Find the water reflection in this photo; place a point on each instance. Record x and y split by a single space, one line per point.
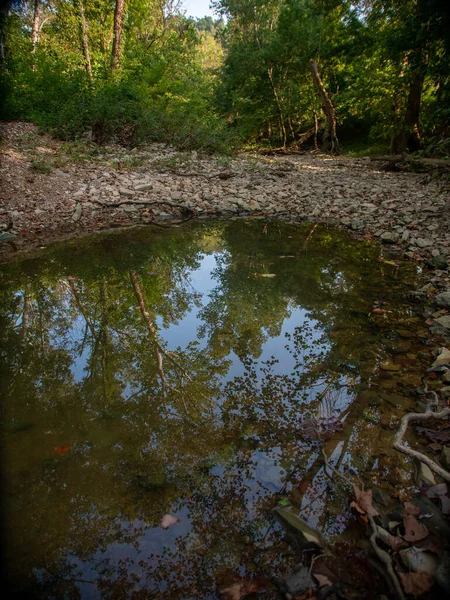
147 374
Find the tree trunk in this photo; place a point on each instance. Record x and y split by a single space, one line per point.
408 140
85 40
330 140
119 14
35 29
280 110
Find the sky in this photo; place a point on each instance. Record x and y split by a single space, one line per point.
198 8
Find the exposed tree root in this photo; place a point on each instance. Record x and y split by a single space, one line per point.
401 447
384 558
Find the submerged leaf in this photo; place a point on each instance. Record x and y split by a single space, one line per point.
416 584
243 588
61 450
364 501
414 530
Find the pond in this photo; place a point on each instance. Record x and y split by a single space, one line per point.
164 389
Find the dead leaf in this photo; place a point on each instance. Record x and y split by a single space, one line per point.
167 521
396 542
411 509
438 436
416 584
322 580
378 311
243 588
364 500
61 450
414 530
435 447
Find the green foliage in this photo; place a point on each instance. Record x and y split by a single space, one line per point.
215 85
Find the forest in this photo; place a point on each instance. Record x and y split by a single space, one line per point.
359 76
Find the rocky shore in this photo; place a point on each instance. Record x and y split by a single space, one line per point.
50 191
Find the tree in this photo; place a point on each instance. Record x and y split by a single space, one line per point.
119 17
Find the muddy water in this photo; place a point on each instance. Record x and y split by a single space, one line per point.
163 390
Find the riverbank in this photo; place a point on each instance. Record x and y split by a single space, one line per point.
51 191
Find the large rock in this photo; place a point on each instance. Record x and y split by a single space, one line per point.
444 321
443 300
389 237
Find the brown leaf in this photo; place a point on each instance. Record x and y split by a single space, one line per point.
435 447
61 450
414 530
242 588
364 499
416 584
322 580
397 543
411 509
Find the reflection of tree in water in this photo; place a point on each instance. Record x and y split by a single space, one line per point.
153 429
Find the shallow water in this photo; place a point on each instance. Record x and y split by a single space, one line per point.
194 372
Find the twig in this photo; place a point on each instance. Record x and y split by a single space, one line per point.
401 447
345 479
385 558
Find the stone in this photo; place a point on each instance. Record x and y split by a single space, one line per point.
423 242
389 237
424 475
442 357
143 186
298 583
77 213
126 192
7 237
442 300
419 562
298 529
444 321
437 262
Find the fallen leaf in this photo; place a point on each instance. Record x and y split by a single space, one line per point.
61 450
429 321
322 579
414 530
411 509
243 588
364 500
435 447
265 275
396 542
167 521
378 310
438 436
416 584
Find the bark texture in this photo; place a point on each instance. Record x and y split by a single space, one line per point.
36 24
408 139
85 39
119 14
330 140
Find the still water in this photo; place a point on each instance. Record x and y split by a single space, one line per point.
163 390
